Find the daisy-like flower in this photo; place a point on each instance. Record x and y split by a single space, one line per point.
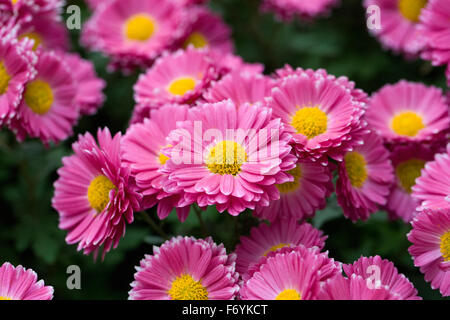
316 111
399 28
380 272
179 77
228 157
302 197
142 150
289 275
47 110
89 96
133 33
18 283
16 69
265 239
241 88
432 188
207 30
95 194
186 269
365 177
287 9
407 111
408 162
430 236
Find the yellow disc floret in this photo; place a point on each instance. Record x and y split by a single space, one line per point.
408 171
33 36
39 96
185 287
4 78
310 121
98 192
4 298
410 9
289 294
180 86
197 40
407 123
140 27
356 168
445 246
294 185
275 248
226 157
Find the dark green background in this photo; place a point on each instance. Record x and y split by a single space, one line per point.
340 43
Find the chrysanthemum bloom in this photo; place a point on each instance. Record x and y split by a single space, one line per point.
265 239
16 69
241 88
353 288
408 111
228 157
95 195
289 275
432 188
89 96
380 272
430 236
365 178
47 110
287 9
133 33
142 150
302 197
186 269
399 29
25 10
321 114
18 283
408 162
206 30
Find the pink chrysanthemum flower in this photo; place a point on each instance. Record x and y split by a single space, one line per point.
408 162
289 275
265 239
206 30
353 288
399 29
430 236
47 110
228 157
16 69
89 96
133 33
302 197
179 77
95 195
18 283
287 9
371 268
25 10
365 177
408 111
186 269
432 188
142 150
241 88
321 114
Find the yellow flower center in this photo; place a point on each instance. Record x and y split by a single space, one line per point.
39 96
180 86
310 121
226 157
294 185
408 171
186 288
275 248
289 294
98 192
355 165
445 246
33 36
196 39
140 27
407 123
13 2
410 9
163 158
4 298
4 78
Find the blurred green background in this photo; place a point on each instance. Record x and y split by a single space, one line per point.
339 43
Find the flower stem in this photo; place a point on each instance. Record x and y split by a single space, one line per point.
153 225
198 212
